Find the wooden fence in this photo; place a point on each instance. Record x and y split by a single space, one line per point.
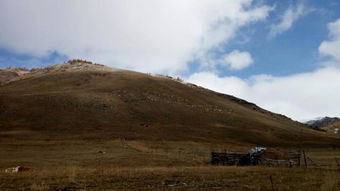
292 159
228 158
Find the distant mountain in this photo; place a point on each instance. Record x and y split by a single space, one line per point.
333 127
322 122
82 100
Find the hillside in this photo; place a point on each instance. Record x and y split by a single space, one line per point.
81 100
331 128
9 74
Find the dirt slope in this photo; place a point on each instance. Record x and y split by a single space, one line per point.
80 100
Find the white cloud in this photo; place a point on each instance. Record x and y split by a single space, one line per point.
237 60
291 15
149 35
332 47
301 96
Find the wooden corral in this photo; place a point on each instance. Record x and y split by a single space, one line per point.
233 158
229 158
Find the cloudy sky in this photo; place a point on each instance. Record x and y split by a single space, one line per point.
282 55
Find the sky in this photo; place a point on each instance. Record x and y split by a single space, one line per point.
281 55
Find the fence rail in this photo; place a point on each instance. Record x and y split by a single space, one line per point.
235 158
228 158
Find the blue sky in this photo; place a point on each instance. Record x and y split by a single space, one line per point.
295 50
248 48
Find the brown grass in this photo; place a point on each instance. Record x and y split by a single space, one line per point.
143 165
173 178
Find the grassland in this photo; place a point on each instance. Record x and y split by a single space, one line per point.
139 165
178 178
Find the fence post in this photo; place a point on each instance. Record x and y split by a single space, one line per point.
271 182
337 163
304 157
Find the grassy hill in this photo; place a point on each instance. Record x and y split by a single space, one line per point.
80 100
9 74
331 127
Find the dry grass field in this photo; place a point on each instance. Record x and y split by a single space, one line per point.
174 178
139 165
